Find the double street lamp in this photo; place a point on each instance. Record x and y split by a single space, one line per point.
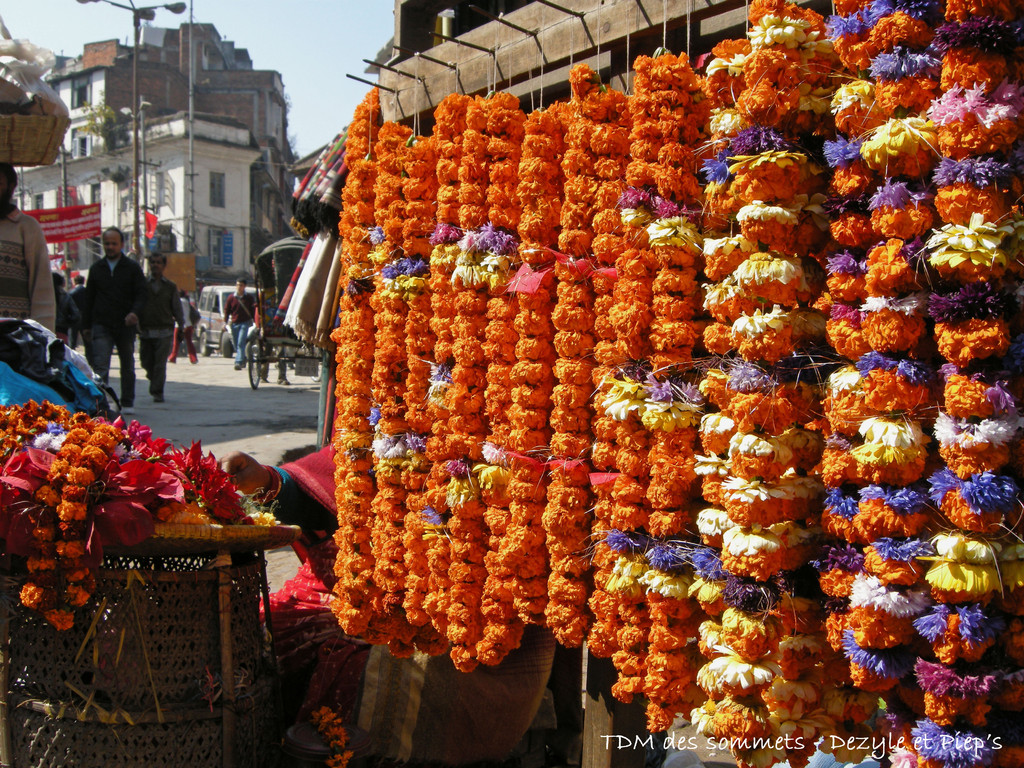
147 13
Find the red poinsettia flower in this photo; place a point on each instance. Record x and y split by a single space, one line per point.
121 514
207 483
142 440
22 475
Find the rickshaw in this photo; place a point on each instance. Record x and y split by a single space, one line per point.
270 341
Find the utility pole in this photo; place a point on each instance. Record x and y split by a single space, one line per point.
144 245
190 211
64 203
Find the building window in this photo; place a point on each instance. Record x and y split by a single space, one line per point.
216 189
81 92
216 247
37 202
80 143
94 194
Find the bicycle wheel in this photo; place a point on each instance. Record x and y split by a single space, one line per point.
254 361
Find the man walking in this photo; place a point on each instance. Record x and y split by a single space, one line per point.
157 322
77 295
115 295
239 312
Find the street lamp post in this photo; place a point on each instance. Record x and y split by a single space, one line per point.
138 14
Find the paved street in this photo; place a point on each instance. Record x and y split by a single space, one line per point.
213 403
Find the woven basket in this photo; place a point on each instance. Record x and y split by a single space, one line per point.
136 681
31 139
186 539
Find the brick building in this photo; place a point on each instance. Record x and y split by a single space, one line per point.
229 93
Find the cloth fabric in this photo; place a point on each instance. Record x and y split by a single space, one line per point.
26 288
304 309
289 291
423 710
162 311
240 309
329 303
111 294
417 710
104 341
31 350
153 354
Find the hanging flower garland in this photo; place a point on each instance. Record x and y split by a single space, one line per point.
532 377
410 278
449 131
389 383
354 342
506 131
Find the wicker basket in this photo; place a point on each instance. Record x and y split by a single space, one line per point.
187 539
139 680
31 139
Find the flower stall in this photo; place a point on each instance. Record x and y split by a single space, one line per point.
719 378
132 588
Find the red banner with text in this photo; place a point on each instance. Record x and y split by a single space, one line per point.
62 225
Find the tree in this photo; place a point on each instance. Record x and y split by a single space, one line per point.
107 125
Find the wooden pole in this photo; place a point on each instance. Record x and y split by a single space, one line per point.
6 756
613 733
227 660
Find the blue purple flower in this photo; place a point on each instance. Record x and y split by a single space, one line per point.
901 63
986 33
951 748
707 564
978 171
843 152
979 300
625 542
849 261
887 663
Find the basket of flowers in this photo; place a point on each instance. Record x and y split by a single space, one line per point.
133 588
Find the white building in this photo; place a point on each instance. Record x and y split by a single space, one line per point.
224 157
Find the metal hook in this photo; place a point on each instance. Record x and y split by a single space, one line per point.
557 7
367 82
425 57
389 68
500 18
463 42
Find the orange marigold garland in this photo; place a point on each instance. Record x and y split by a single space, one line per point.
449 131
409 276
506 130
532 378
389 384
354 342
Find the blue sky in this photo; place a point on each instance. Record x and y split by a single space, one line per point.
312 43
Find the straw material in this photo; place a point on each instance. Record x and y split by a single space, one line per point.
183 538
31 139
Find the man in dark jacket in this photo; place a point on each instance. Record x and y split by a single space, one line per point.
77 293
115 295
156 325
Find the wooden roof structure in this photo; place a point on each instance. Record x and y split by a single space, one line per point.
529 51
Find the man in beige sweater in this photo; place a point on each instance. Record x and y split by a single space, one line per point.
26 288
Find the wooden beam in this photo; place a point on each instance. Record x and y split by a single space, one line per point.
559 40
605 25
613 733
